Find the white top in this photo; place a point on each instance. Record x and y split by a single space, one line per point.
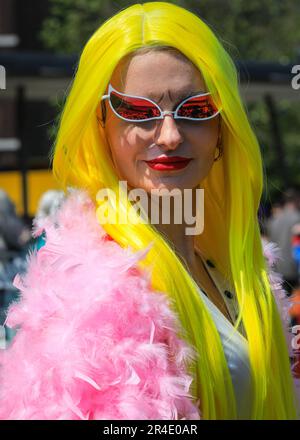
235 345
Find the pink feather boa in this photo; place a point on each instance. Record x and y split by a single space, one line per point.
95 341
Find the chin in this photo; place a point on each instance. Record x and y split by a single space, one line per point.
169 186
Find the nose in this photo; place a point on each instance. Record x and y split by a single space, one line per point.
169 135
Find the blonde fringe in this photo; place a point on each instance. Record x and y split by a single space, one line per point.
232 193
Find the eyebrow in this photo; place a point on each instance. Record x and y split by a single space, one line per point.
180 97
184 95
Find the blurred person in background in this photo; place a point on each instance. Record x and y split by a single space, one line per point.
280 231
14 239
49 204
294 309
14 234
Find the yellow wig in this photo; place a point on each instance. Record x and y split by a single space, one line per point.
233 189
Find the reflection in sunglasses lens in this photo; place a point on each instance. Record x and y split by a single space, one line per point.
199 107
133 108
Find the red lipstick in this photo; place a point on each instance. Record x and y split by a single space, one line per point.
164 163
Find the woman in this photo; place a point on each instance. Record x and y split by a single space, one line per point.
153 82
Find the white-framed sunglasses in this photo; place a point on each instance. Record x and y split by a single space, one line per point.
133 108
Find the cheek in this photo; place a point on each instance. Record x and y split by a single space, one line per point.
204 140
127 145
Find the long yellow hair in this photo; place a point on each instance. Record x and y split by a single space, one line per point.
233 189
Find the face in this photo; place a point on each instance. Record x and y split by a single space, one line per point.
167 78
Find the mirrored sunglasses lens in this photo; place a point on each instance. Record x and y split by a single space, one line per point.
200 107
133 109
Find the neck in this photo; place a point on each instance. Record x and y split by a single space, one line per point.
176 233
183 244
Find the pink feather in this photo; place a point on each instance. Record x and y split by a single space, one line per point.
92 337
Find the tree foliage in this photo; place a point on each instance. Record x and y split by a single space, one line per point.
256 29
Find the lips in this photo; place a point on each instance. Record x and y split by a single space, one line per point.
165 159
168 163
